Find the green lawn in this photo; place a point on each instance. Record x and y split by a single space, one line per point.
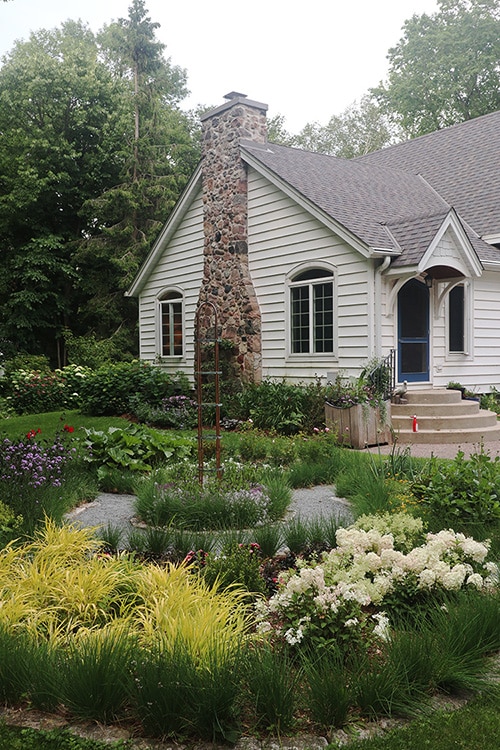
52 422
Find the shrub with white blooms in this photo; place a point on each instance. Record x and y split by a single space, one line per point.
340 598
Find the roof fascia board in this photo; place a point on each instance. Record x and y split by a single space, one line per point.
166 233
452 222
491 239
309 206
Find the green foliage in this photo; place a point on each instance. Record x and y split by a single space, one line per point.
35 392
135 447
27 362
10 524
282 407
86 185
235 564
328 695
19 738
212 506
464 491
32 477
362 127
88 351
97 666
444 70
177 696
174 412
109 389
273 686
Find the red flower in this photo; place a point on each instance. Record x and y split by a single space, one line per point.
67 428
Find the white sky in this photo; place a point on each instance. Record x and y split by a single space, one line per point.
307 61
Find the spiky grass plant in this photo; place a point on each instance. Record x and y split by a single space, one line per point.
239 501
269 537
177 695
328 696
96 673
296 534
272 682
112 537
177 604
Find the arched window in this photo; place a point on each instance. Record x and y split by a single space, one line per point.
171 324
311 312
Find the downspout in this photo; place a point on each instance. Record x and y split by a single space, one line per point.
378 303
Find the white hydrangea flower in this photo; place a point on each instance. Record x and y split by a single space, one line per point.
475 580
426 579
351 623
381 629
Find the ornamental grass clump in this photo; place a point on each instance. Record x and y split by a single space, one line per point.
166 499
84 630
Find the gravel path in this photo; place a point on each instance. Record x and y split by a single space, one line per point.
118 510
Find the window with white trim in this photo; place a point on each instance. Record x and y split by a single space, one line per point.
171 310
311 312
456 320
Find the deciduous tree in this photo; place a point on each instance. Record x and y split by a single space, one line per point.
446 67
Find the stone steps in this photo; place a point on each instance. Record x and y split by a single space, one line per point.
443 417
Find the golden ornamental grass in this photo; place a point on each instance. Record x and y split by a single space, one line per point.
61 586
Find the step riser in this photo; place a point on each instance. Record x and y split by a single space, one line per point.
431 410
461 436
439 396
446 422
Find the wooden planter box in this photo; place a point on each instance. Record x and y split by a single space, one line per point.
359 426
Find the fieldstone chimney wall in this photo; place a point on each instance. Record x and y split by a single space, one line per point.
226 279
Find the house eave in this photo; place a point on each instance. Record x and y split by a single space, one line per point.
452 221
166 233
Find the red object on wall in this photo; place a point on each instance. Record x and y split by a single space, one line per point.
415 423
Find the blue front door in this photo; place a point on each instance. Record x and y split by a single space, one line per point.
413 332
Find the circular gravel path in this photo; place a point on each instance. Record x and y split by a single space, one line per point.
117 511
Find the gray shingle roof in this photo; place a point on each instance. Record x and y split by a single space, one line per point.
383 200
461 162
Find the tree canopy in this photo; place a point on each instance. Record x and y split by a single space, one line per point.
361 128
94 152
446 67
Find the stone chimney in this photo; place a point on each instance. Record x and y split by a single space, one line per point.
226 279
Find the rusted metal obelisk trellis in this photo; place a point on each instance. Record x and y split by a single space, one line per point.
207 353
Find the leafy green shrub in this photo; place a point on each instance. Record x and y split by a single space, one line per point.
31 392
88 351
37 391
10 524
174 412
342 597
109 389
28 362
285 408
460 490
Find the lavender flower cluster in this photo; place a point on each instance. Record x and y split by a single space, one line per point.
29 462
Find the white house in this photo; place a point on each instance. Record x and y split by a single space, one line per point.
317 264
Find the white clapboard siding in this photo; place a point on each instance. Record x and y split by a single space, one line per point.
282 236
180 265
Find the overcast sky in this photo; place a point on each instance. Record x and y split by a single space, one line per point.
307 61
